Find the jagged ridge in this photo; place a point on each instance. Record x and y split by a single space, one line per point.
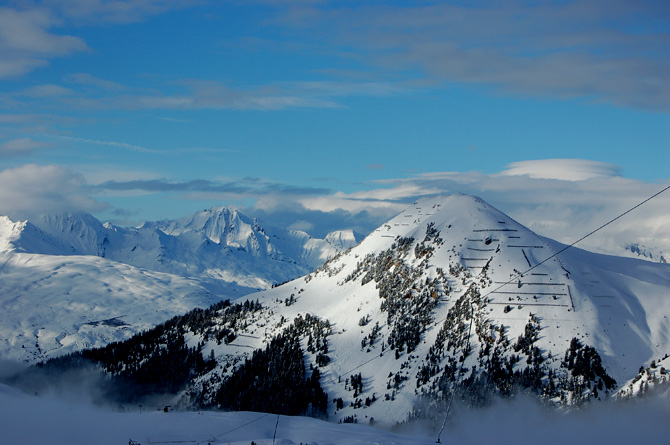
453 295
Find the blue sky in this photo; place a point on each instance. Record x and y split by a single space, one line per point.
323 115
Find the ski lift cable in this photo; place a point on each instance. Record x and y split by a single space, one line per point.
241 426
516 277
446 416
472 311
460 371
274 436
542 262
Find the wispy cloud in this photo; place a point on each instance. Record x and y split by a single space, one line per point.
243 187
33 118
617 53
89 80
46 91
202 94
26 40
122 145
87 92
20 147
116 11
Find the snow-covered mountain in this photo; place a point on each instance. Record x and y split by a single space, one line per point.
644 252
68 282
52 305
451 295
235 230
224 248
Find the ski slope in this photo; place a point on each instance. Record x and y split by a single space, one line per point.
619 306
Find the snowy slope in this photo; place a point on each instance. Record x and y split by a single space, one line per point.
650 379
52 305
66 279
450 295
451 283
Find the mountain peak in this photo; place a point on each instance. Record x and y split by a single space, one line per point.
451 296
453 291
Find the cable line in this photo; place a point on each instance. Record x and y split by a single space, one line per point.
523 273
508 282
590 233
241 426
542 262
519 274
275 434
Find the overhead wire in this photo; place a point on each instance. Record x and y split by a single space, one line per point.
240 427
540 263
516 277
472 310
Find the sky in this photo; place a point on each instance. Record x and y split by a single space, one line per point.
323 115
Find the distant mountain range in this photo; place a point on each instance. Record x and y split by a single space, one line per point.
213 245
68 282
451 296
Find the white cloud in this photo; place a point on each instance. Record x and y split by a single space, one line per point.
27 43
26 31
563 199
564 169
33 189
348 203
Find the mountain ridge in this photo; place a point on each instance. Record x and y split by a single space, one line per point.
63 277
451 296
214 245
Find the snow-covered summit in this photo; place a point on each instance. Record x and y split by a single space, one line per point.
218 245
219 224
453 293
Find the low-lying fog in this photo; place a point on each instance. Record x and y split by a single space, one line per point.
61 416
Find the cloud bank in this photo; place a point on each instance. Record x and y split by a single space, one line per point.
563 199
564 169
593 49
588 49
33 189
